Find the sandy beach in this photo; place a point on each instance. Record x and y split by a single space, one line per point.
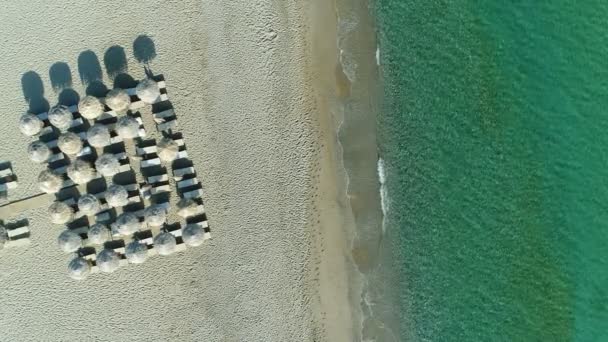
251 83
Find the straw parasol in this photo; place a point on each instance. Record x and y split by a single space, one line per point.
118 100
3 236
108 261
127 224
127 127
187 207
90 107
148 91
165 243
38 152
167 149
69 143
69 241
136 252
80 171
98 135
88 204
98 234
193 235
30 124
155 215
117 196
107 164
60 212
79 268
50 182
60 117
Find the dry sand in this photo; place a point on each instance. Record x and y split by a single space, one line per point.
240 75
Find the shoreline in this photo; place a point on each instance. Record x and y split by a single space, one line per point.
350 234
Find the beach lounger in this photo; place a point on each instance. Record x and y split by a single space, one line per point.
160 189
182 154
187 182
141 151
150 162
157 179
178 174
6 172
8 185
193 194
165 120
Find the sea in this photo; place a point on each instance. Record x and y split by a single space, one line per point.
493 166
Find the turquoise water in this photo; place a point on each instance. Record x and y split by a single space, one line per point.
494 134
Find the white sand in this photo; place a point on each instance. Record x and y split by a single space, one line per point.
237 76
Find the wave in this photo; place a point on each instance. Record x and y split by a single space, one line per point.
384 200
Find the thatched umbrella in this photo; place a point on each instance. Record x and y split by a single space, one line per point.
3 236
165 243
136 252
30 124
50 182
127 224
117 196
60 117
90 107
118 99
80 171
69 241
155 215
108 261
88 204
127 127
79 268
187 207
38 152
98 234
148 91
167 149
69 143
107 164
193 235
60 213
98 135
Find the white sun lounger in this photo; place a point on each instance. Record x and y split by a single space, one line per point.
159 189
182 154
193 194
178 174
150 162
6 172
146 150
187 182
8 185
158 179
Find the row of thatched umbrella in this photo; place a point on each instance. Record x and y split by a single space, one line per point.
136 252
91 107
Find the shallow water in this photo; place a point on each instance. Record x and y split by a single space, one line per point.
493 135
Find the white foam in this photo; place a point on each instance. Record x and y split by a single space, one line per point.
384 200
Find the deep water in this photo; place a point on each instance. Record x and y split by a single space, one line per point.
494 134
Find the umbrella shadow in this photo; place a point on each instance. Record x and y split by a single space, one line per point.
68 97
115 61
33 92
124 81
61 76
91 75
89 68
144 49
